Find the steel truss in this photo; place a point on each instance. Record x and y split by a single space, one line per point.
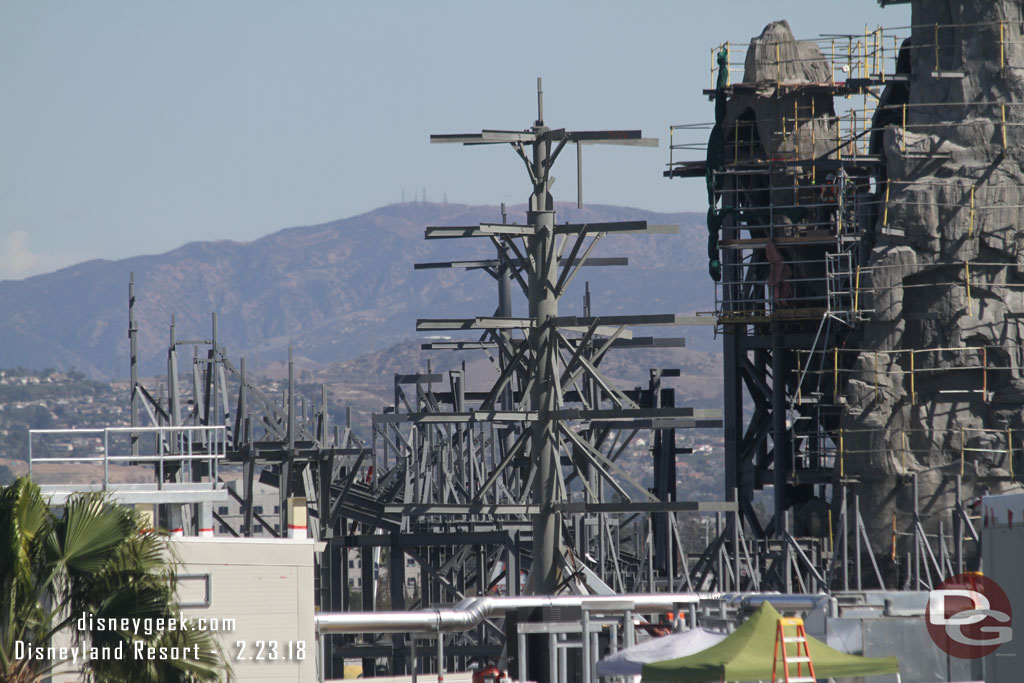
534 462
473 491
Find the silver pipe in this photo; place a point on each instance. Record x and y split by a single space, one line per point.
472 611
780 601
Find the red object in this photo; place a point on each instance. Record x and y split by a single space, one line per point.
778 275
986 622
491 674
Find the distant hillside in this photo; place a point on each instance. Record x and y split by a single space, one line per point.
334 291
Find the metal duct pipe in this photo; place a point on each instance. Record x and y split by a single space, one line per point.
780 601
471 611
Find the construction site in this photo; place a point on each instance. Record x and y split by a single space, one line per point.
864 192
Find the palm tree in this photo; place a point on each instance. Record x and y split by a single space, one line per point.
90 557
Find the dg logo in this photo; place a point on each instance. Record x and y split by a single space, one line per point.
968 616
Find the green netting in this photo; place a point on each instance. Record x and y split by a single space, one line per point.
715 164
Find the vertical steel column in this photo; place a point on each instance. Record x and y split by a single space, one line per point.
505 311
284 484
585 643
664 451
734 522
512 565
249 455
440 656
543 395
396 575
780 442
844 541
720 556
856 531
563 658
521 638
367 576
650 553
242 410
412 655
732 411
333 597
172 383
738 486
553 660
133 350
173 415
543 399
784 521
216 416
958 529
106 459
917 537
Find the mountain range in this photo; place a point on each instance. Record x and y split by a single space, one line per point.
333 292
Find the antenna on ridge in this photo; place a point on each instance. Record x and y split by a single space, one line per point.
540 103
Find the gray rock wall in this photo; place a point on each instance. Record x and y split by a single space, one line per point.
918 278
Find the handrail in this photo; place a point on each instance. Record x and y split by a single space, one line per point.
217 449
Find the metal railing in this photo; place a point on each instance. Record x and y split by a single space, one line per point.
871 54
174 445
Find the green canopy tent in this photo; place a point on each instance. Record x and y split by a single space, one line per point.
748 653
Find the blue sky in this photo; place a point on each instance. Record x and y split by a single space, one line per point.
136 126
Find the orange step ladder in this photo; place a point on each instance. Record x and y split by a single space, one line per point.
802 656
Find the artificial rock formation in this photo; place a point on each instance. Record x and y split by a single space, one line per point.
944 275
929 347
773 116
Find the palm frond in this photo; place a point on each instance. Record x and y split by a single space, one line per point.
91 559
90 529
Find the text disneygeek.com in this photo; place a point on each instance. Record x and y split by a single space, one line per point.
132 649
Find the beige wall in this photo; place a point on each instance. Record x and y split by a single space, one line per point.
266 586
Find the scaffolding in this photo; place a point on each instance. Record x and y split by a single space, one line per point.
810 165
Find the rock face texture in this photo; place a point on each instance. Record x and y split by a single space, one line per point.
772 119
926 387
937 389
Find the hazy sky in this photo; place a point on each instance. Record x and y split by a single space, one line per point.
135 126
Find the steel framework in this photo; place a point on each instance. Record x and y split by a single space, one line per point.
472 490
798 193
